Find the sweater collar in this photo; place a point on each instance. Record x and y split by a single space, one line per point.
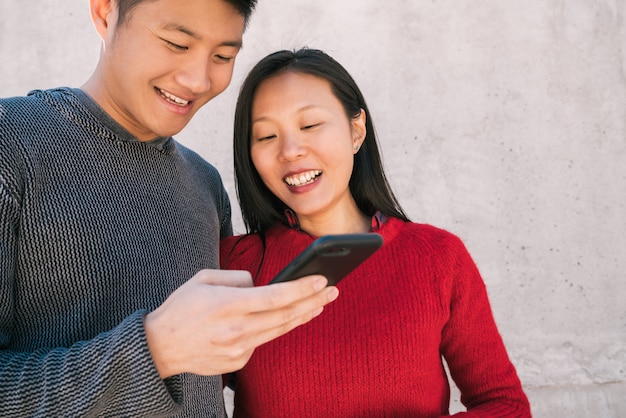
112 125
378 219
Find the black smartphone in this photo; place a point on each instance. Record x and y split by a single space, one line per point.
333 256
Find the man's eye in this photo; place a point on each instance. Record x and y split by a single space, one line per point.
224 58
176 46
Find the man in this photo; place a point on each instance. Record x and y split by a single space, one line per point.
110 301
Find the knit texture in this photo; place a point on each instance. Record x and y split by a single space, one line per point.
96 229
377 350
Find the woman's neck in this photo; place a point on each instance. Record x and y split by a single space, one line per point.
339 222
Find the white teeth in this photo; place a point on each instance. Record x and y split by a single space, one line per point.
173 99
302 178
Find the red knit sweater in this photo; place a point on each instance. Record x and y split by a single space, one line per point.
377 350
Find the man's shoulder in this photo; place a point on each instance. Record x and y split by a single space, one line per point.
197 161
26 108
32 123
38 95
14 105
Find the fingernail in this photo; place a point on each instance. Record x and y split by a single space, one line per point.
333 293
318 311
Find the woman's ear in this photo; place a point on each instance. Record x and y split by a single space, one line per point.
358 131
103 15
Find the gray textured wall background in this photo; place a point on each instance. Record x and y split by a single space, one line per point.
503 121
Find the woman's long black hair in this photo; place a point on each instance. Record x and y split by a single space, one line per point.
368 184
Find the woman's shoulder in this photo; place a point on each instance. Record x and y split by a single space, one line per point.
425 230
238 244
237 249
424 234
246 247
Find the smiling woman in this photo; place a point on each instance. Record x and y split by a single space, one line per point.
299 122
307 164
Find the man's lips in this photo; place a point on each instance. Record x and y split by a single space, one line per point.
172 98
303 178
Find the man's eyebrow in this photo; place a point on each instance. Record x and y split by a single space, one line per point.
175 27
184 29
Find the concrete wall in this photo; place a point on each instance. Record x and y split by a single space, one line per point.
502 121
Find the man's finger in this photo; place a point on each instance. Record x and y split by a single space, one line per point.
281 295
280 322
231 278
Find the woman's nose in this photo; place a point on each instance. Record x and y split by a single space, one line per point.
292 147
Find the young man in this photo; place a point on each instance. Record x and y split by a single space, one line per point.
110 301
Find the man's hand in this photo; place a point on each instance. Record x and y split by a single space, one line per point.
212 324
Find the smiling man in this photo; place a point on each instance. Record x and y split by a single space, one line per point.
161 65
111 301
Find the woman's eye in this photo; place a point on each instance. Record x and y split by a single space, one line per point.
311 126
265 138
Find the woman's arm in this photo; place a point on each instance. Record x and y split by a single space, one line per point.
473 347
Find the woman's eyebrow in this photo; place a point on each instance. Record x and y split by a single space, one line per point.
298 110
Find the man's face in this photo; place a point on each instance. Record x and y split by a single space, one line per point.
167 60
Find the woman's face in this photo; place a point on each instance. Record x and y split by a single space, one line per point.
303 146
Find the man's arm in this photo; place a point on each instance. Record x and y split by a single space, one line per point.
111 373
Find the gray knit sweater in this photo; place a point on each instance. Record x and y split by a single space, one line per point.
96 229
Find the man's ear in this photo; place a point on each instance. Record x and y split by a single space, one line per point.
358 130
103 16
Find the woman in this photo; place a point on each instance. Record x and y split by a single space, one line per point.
307 164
